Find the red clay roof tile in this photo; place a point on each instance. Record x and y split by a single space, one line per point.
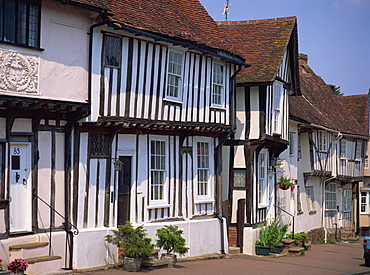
262 43
358 106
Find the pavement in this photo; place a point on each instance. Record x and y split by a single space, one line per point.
340 258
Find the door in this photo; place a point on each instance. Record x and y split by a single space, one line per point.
20 188
124 191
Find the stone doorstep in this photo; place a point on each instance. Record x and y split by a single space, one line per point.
296 250
34 260
154 263
28 245
351 239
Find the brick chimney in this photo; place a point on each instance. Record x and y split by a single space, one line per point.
303 59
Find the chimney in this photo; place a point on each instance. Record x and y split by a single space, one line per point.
303 59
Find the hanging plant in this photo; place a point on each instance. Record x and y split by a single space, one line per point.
285 183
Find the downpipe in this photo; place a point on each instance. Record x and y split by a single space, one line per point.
217 156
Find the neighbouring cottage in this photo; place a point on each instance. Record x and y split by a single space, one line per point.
358 106
271 47
327 153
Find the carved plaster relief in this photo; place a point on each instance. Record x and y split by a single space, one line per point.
18 72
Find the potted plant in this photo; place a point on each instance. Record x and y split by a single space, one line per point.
285 183
262 244
277 232
18 266
136 245
170 239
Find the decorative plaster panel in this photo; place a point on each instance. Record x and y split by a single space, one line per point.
18 72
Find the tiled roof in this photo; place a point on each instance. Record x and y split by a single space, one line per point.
185 20
319 105
357 105
262 43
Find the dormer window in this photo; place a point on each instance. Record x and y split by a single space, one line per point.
218 85
174 76
20 22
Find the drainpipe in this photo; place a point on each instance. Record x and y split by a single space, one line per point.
67 140
217 154
323 207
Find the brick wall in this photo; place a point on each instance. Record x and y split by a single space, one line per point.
232 235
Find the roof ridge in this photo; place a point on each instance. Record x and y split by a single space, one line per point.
240 22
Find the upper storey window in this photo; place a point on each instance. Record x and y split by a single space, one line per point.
112 51
174 77
20 22
218 85
277 120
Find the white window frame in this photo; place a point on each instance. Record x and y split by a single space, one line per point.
262 178
277 107
358 150
347 200
322 141
171 74
208 197
364 202
218 84
310 195
331 197
164 170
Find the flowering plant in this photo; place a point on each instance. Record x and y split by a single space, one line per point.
285 183
1 265
18 265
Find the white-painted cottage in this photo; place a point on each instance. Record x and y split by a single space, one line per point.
110 111
249 194
327 153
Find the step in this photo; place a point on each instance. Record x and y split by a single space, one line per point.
351 239
28 250
154 264
44 265
296 250
234 250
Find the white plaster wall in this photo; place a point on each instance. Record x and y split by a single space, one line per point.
44 176
239 161
237 194
59 177
240 113
22 125
225 172
63 62
308 221
255 113
249 239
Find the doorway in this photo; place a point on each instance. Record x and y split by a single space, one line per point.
20 188
124 191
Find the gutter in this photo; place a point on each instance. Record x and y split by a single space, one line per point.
217 156
67 140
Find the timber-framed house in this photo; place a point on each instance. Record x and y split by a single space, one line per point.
271 47
43 90
329 155
161 95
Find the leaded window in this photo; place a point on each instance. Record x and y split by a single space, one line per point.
262 178
157 169
2 171
174 77
218 84
239 177
347 200
20 22
112 51
277 120
99 145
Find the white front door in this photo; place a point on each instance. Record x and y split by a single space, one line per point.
20 192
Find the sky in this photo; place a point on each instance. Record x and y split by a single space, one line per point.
335 34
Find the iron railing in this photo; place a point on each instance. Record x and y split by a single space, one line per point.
281 209
70 230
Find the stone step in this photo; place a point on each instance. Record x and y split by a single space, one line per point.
296 250
45 265
234 250
351 239
28 250
154 264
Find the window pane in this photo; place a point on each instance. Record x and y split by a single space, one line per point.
203 168
33 32
239 177
218 84
158 169
9 28
22 23
112 51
